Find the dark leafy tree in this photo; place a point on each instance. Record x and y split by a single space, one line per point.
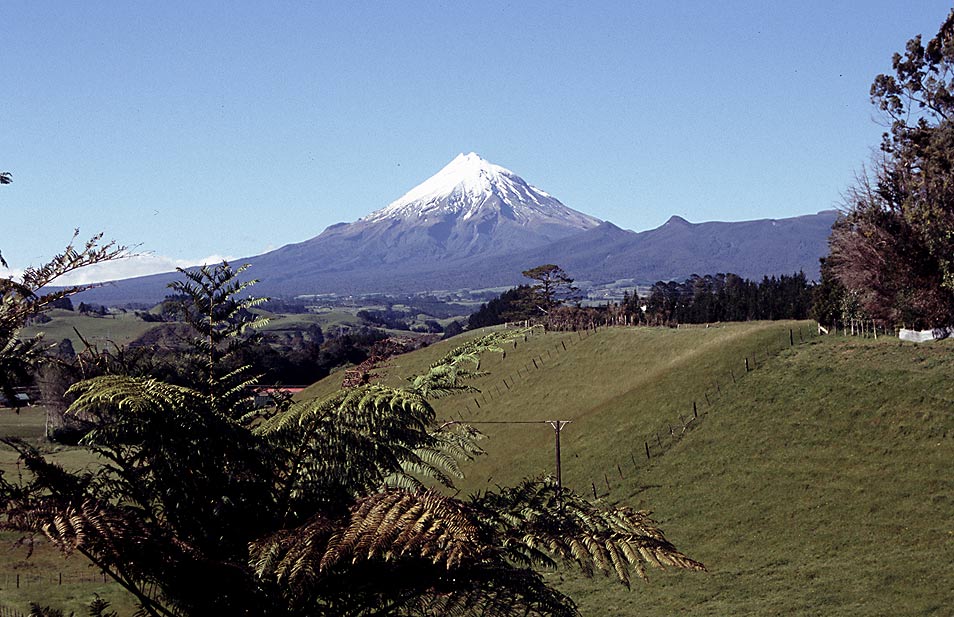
632 307
62 303
174 307
894 248
388 318
517 304
553 286
453 329
832 303
199 508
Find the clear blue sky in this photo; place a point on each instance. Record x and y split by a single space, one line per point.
201 128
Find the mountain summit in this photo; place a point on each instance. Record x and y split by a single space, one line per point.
471 188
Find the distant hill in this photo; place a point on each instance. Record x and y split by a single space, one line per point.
678 249
476 225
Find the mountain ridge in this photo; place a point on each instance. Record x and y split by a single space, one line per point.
476 225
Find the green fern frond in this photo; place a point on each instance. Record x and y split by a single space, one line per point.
405 481
129 394
448 375
352 442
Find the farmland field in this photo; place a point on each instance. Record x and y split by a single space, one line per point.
815 483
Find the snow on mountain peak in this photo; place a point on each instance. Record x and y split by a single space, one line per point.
469 184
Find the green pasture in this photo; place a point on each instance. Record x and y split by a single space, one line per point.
301 321
120 329
816 483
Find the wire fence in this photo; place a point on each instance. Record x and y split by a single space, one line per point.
865 328
663 438
43 581
47 579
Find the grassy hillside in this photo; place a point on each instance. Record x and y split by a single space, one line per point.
120 329
821 485
818 483
616 386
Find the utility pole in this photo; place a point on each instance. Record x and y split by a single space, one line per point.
557 427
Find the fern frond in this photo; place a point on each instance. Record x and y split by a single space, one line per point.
129 394
395 524
539 517
349 443
447 375
495 591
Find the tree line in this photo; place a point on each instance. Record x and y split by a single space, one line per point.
723 297
698 299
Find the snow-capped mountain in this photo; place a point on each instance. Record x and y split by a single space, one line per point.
470 188
469 208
